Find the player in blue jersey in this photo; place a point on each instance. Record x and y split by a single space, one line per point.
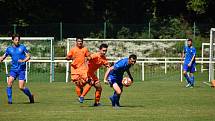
189 53
19 55
114 76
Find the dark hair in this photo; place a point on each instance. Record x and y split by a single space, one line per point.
15 35
190 40
103 46
81 38
133 56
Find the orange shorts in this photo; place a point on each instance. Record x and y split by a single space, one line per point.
94 78
79 79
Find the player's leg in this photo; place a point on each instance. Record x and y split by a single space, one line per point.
9 88
185 68
117 93
22 87
98 92
192 70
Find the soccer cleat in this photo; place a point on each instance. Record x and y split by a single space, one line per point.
97 104
112 101
81 99
31 98
191 86
9 102
188 85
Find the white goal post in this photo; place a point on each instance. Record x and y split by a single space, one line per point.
211 52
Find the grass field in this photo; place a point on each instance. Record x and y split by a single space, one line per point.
148 100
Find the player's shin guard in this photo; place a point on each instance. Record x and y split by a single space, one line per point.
9 94
78 90
27 92
86 90
98 96
116 98
192 80
187 78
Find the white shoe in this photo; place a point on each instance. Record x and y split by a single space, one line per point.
188 85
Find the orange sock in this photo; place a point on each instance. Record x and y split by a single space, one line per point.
98 95
78 90
86 90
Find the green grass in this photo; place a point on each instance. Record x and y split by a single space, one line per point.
148 100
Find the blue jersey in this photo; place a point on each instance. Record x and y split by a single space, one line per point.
119 68
189 53
17 53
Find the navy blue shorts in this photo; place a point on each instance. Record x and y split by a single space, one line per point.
190 69
18 74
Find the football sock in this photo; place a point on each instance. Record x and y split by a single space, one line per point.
86 90
187 78
192 80
27 92
78 91
98 96
9 94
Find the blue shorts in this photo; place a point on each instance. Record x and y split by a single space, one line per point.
190 69
19 74
113 80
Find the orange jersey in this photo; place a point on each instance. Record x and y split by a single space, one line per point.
96 62
78 65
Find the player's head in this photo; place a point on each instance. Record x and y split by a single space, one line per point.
189 42
15 39
79 42
132 59
103 49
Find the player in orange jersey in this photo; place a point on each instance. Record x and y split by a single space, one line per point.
96 60
79 67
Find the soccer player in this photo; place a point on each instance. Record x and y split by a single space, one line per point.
114 76
79 67
20 56
96 60
189 63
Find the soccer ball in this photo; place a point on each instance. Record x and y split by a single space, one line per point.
126 81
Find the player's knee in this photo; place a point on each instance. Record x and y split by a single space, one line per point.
21 88
99 88
185 73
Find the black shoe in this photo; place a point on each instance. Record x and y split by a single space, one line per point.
97 104
31 99
9 102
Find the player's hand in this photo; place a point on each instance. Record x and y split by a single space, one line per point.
106 82
182 62
21 61
189 64
1 59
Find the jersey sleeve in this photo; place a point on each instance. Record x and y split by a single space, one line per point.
7 52
93 56
118 65
25 49
87 53
70 54
194 52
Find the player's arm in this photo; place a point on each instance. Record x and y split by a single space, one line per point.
3 57
107 73
69 56
194 55
28 56
182 56
129 74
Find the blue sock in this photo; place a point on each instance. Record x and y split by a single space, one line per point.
187 78
192 80
27 92
116 97
9 94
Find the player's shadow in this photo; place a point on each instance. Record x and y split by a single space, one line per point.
109 105
26 103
